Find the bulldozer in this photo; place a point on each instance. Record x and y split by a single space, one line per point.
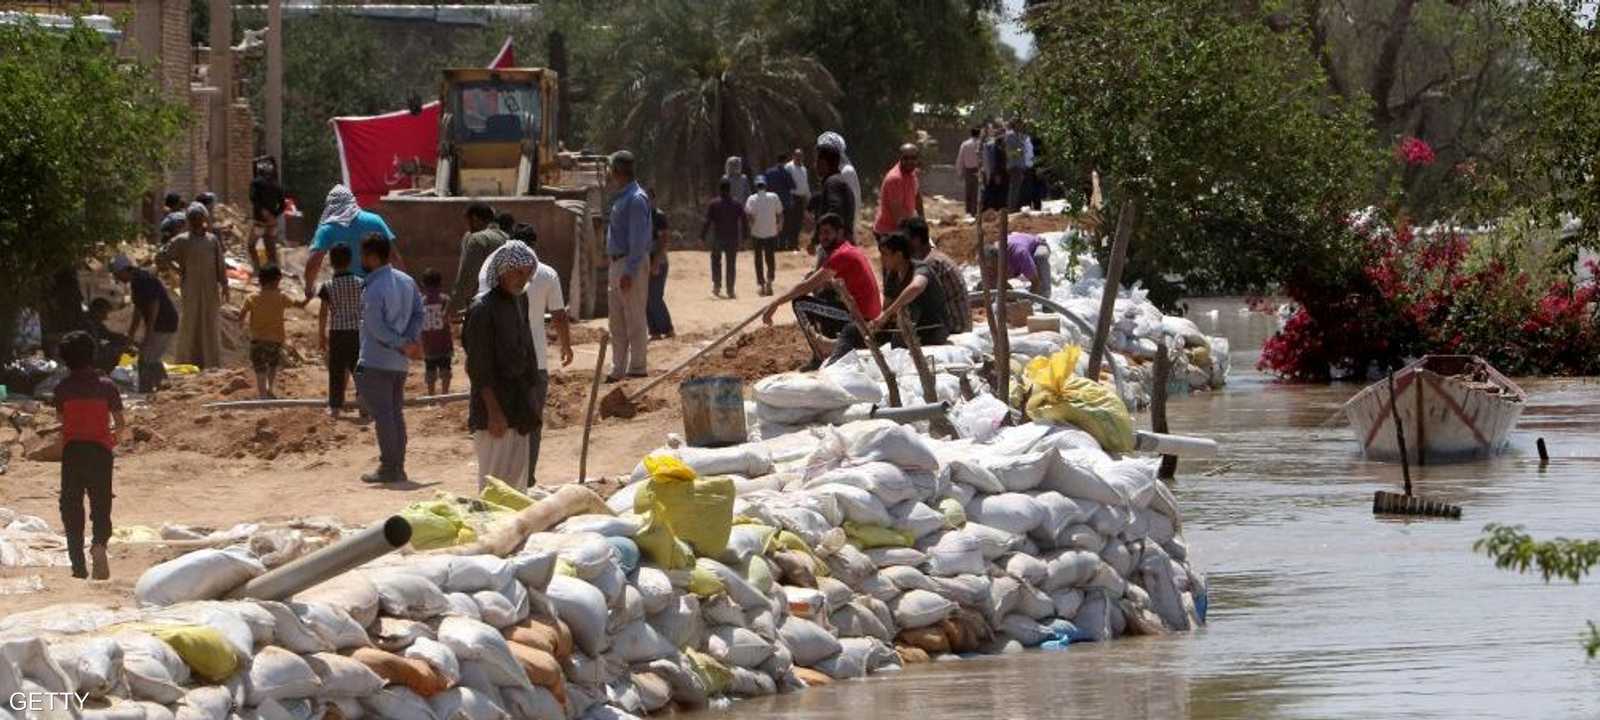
498 144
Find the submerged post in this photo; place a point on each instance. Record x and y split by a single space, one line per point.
1158 409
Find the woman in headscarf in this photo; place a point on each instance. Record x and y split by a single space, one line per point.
500 365
846 169
733 173
197 256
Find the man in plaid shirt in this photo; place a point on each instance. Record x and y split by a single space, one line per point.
339 325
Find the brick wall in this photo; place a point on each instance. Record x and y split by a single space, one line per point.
241 150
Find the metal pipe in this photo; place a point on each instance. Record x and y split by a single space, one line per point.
909 414
1184 445
331 561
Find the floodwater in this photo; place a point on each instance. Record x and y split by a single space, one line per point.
1317 609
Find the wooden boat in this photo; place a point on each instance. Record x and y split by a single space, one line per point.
1452 408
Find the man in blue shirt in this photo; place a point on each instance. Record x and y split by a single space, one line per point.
391 322
345 223
628 242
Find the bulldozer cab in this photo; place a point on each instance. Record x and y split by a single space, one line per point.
497 132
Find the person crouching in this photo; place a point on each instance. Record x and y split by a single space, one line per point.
500 365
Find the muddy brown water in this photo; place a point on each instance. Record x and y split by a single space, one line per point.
1317 609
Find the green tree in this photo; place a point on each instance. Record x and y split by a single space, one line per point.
1243 166
1561 152
697 82
1561 558
82 137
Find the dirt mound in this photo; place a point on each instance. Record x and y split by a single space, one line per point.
960 242
756 354
237 434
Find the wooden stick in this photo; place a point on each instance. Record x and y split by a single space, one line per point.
594 393
1399 435
1002 322
867 339
1108 298
635 395
1158 409
930 389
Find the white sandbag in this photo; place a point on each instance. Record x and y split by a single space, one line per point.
610 581
1004 593
1067 603
809 524
1063 438
957 553
887 482
93 665
851 566
342 677
1166 597
857 504
858 620
1025 630
583 609
263 628
889 442
1019 473
1059 512
687 687
351 592
974 475
219 616
409 596
466 704
1027 568
200 575
916 518
588 557
836 592
1078 474
749 683
277 674
1012 512
745 541
992 541
1071 568
398 702
476 573
630 609
535 703
888 556
1117 556
808 643
472 640
438 656
802 390
207 702
680 621
153 669
968 590
737 646
462 604
397 634
289 631
852 374
496 610
1094 616
607 525
1110 520
980 418
721 610
748 460
908 578
742 593
809 603
920 608
655 589
1080 537
654 691
1034 603
1150 524
878 586
639 642
846 665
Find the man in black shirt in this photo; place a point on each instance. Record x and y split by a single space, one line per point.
835 198
910 285
152 307
500 366
266 206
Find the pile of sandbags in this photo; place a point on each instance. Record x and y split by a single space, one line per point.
876 547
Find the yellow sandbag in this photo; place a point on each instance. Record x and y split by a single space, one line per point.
497 492
867 537
676 505
713 674
759 574
565 568
704 583
135 534
182 369
204 649
435 524
955 516
1057 396
1200 356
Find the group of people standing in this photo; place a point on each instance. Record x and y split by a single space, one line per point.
768 209
997 163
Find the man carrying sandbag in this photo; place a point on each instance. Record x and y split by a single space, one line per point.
500 365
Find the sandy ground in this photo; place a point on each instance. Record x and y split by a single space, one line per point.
184 464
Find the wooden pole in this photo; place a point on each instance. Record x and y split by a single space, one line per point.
274 108
1108 298
1002 322
1158 409
594 394
220 70
940 424
871 342
1399 435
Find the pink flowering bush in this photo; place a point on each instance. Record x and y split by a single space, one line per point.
1414 152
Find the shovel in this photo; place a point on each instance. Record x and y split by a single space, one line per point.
624 405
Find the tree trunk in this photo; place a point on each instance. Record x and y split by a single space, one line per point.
1386 72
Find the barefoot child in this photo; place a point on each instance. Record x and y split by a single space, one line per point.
263 312
90 410
339 325
438 349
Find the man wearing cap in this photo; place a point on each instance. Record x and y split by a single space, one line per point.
628 240
764 209
152 309
899 197
197 255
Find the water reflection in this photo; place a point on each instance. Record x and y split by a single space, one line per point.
1318 610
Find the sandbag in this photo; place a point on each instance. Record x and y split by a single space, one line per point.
1025 630
154 671
466 704
397 634
476 573
473 640
409 596
885 441
745 540
807 641
1116 555
1012 512
930 639
992 542
1070 569
811 391
1080 537
289 632
920 608
209 656
857 504
908 578
973 474
680 623
638 642
1066 603
415 675
1077 474
1057 396
277 674
344 677
887 482
738 589
956 553
438 656
968 590
398 702
533 568
1027 568
607 525
1019 473
795 568
916 519
1094 617
747 460
93 665
1004 593
200 575
533 703
737 646
676 504
850 566
1059 512
855 620
583 609
207 702
1034 603
867 537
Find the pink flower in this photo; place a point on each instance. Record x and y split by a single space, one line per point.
1414 152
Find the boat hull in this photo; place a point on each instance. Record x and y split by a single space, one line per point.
1446 416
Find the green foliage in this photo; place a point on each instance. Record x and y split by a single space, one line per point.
1561 153
1561 558
694 82
1243 166
82 137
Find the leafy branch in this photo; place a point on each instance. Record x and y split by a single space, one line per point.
1563 558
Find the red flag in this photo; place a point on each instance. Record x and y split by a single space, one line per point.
380 153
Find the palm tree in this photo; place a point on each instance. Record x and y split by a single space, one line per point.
697 83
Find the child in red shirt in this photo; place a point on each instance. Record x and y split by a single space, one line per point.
90 409
438 349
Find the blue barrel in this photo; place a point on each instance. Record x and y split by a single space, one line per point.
713 411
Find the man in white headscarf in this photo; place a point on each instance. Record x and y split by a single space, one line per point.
500 365
344 223
847 170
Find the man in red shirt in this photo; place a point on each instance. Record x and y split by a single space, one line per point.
819 312
899 197
90 410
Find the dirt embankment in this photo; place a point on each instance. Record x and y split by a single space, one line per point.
961 242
